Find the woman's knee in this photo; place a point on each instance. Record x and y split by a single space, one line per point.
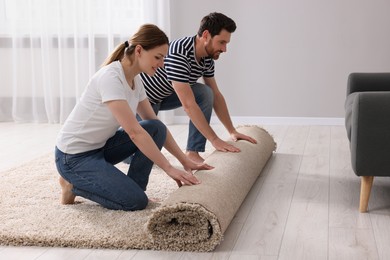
155 128
138 203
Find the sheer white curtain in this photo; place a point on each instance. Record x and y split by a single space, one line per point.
50 48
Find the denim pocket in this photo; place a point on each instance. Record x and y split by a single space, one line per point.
80 159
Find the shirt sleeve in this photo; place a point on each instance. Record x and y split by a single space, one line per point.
177 67
209 73
111 87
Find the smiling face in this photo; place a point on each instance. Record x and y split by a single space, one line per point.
151 60
216 45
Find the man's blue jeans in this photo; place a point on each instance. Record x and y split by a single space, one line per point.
204 97
95 177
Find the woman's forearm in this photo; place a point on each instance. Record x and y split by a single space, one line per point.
148 147
173 148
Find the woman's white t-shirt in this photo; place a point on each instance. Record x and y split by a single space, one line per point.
91 123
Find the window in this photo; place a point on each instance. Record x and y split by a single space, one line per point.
67 17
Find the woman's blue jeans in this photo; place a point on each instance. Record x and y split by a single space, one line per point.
94 176
204 97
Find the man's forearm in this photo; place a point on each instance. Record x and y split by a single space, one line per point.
200 122
222 113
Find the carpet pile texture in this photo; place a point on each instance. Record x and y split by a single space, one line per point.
190 218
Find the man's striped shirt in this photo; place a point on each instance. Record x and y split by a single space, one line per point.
180 65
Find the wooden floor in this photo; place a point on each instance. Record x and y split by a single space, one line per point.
303 206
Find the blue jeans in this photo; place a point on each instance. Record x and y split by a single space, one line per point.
94 176
204 97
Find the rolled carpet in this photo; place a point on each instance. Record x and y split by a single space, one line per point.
194 218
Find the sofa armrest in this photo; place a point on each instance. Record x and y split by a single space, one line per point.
360 82
370 134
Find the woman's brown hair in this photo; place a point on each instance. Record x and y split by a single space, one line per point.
149 36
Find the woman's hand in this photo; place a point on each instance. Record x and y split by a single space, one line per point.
238 136
189 177
190 165
182 177
223 146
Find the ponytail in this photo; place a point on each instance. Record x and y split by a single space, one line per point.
148 36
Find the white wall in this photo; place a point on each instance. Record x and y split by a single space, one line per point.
292 58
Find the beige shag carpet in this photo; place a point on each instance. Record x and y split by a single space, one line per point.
192 218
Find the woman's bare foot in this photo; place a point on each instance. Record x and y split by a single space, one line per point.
67 196
194 156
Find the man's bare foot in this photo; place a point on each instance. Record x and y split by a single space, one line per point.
67 196
194 156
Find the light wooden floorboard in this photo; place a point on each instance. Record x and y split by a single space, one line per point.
304 205
344 186
350 232
24 142
379 207
66 253
308 212
352 243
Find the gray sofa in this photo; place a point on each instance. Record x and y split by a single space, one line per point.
367 121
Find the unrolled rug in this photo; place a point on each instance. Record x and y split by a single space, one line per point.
191 218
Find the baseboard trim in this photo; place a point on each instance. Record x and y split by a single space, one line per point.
271 120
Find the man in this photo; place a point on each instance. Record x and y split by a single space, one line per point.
176 85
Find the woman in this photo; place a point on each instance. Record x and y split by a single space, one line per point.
103 130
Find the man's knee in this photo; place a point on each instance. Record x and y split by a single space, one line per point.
204 96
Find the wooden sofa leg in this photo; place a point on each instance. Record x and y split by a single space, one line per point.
365 190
